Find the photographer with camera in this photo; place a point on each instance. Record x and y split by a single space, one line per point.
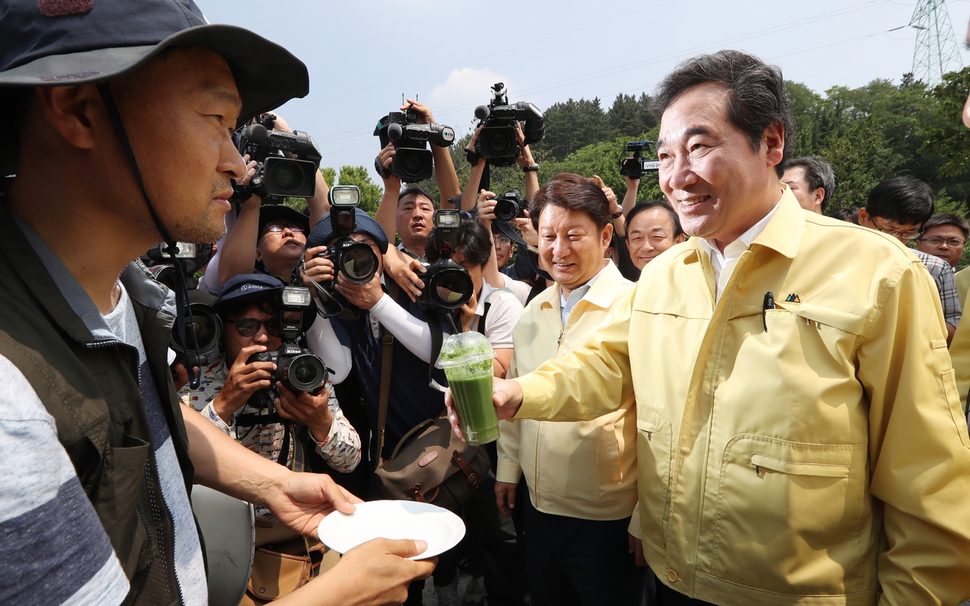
248 306
246 223
409 212
490 544
246 395
362 314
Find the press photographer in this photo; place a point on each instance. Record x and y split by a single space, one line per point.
237 252
410 399
252 390
409 212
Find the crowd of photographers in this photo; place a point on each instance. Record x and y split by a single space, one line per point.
305 323
291 312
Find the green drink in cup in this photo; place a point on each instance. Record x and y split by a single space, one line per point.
467 361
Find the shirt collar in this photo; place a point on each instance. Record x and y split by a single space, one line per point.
781 230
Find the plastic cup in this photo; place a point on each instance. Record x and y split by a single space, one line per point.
467 361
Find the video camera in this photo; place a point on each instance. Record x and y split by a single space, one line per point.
355 260
447 284
498 142
413 160
201 323
278 176
635 166
510 205
296 367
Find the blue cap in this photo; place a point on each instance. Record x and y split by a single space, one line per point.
323 233
245 289
69 42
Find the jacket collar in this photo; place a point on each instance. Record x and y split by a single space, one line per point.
58 290
783 233
601 294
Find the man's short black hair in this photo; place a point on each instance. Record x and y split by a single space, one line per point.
756 92
846 213
948 219
901 199
647 205
818 173
417 191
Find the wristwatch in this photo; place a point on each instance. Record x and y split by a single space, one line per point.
533 168
617 214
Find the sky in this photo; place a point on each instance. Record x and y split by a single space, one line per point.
364 55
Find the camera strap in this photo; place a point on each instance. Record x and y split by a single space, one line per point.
182 307
326 300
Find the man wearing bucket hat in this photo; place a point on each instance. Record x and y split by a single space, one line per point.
115 118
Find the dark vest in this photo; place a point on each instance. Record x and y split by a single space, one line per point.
92 392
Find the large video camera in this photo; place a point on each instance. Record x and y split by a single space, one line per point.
355 260
498 142
296 367
278 176
203 327
447 284
510 205
413 160
635 166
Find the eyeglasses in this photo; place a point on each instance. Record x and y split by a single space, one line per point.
938 241
904 235
248 327
504 240
277 227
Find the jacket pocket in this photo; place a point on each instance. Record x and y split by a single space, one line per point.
119 495
792 517
653 472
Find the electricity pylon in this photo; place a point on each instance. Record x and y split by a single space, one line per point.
936 47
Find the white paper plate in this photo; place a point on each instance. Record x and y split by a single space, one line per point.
440 528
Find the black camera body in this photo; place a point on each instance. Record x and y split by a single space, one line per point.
203 327
510 205
636 166
296 367
447 284
278 176
357 261
498 142
413 160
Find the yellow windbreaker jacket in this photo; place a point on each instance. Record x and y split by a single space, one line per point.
810 453
586 469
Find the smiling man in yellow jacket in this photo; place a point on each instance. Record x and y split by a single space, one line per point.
799 437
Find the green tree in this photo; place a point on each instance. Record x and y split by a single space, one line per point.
947 137
572 125
629 116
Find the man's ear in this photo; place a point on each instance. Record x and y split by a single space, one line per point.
72 111
774 140
818 196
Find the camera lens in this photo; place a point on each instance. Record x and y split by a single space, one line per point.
358 263
500 142
303 372
208 328
451 288
413 165
505 210
287 177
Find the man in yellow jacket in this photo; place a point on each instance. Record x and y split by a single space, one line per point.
799 440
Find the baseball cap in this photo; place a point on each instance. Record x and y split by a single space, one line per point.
244 289
323 233
70 42
272 212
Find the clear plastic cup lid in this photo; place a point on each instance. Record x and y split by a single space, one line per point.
464 348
